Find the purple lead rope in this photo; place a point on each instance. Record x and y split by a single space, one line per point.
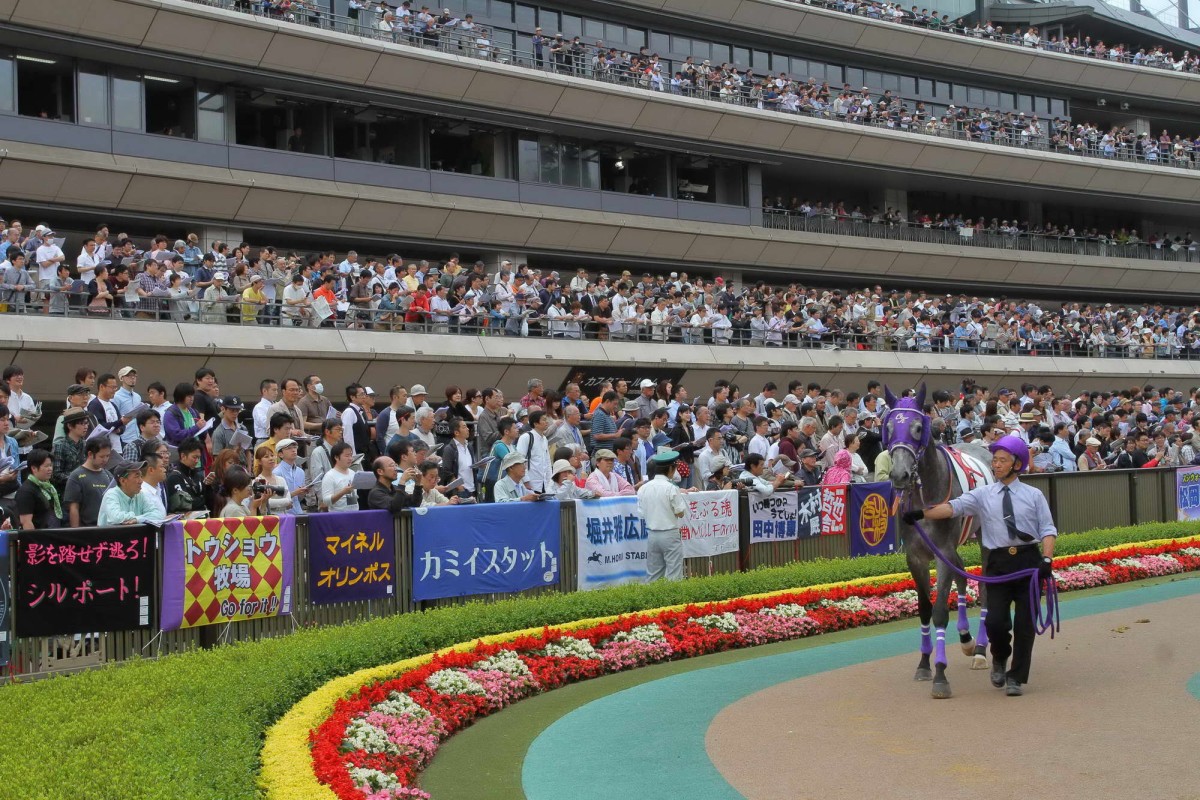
1045 618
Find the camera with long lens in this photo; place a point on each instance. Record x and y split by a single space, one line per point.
262 489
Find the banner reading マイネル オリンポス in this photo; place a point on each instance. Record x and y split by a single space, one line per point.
351 556
224 570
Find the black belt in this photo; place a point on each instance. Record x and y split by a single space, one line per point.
1012 551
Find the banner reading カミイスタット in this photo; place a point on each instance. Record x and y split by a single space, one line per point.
1187 493
223 570
611 542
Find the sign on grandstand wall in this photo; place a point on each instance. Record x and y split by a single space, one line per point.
81 581
485 549
225 570
589 378
611 542
351 556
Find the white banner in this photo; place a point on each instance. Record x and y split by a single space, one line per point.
773 518
710 526
611 542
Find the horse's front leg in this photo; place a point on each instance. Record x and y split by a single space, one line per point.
941 616
919 569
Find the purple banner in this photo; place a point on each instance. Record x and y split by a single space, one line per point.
351 556
870 525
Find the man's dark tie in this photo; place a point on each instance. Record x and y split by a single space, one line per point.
1010 517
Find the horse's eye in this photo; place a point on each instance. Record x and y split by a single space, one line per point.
915 430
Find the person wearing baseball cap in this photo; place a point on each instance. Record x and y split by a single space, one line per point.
512 487
124 503
254 301
290 470
126 400
661 504
229 426
416 397
78 396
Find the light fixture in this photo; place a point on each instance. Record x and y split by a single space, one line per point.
620 164
37 60
160 79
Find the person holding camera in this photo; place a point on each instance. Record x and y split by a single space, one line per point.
753 479
718 477
268 483
243 497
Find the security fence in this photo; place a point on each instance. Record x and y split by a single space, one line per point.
1079 502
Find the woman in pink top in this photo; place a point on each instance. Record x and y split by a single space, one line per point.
603 481
840 471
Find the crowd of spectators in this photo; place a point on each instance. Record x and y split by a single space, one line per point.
180 280
118 457
957 228
729 83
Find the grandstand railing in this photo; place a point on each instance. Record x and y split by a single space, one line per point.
452 40
861 334
1097 247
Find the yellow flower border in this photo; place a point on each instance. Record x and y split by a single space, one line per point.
287 761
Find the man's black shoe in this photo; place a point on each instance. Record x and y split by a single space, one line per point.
998 674
1014 688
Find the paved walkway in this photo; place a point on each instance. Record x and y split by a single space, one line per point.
824 722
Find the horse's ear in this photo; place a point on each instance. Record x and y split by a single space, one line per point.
888 397
921 396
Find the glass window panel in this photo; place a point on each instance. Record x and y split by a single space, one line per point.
210 118
572 26
943 90
925 87
8 96
799 68
1008 100
991 99
854 76
720 53
572 165
741 57
760 60
681 45
908 86
635 38
591 171
660 43
477 7
550 160
872 80
93 98
1025 102
960 92
890 82
527 160
46 88
614 34
593 29
126 102
701 50
549 20
833 74
974 95
1058 108
502 10
526 18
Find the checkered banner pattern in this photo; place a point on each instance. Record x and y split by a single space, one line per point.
225 570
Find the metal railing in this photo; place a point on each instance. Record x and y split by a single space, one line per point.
1091 246
1078 502
583 64
741 329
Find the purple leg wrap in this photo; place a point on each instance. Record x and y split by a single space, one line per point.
982 638
926 642
940 649
964 625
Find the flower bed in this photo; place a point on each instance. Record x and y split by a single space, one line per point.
376 741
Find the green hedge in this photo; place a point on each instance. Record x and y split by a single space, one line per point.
191 725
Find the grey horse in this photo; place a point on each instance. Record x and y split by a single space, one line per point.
924 474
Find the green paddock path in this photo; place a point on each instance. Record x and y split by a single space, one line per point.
583 741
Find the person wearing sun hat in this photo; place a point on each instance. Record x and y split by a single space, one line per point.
662 506
511 487
562 477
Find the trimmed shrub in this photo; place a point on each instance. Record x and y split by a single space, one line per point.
191 725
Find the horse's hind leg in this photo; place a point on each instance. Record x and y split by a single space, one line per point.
981 641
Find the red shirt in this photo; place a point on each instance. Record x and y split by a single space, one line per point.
420 303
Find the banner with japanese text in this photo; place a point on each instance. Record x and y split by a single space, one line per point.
1187 493
225 570
5 601
611 542
710 525
351 556
80 581
833 510
872 530
773 518
484 549
808 512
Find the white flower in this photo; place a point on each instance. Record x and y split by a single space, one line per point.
452 681
505 661
372 779
569 646
726 622
362 735
789 610
648 634
1194 552
401 705
852 603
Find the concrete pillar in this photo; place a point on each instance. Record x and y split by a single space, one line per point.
493 260
884 198
733 278
1031 211
1136 124
754 193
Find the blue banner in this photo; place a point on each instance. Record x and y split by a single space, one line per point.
871 527
484 549
1187 491
351 556
611 539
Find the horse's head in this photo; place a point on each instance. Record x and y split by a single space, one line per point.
906 434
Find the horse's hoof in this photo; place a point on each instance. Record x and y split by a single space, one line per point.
923 674
979 662
968 647
941 691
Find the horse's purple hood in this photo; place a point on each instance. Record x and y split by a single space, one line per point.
906 425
